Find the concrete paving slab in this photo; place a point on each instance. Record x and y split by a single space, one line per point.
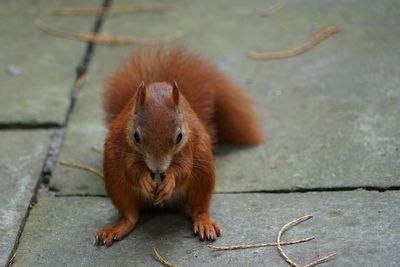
22 155
361 226
331 114
85 129
38 70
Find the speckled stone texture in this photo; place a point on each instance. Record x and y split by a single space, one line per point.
360 226
37 70
331 117
21 157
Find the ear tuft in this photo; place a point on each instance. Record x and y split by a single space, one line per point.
175 93
140 95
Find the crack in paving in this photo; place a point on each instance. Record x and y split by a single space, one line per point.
81 70
4 126
310 190
52 155
83 66
82 195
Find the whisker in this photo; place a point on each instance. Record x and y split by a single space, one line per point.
121 149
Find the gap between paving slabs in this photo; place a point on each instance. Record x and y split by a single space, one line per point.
81 71
99 173
58 137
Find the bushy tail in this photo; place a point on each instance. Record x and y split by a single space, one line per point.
236 120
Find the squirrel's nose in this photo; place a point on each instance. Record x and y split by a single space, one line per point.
155 165
160 168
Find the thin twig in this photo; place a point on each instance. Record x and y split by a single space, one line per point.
272 9
80 81
112 10
96 149
283 229
161 259
259 245
321 260
11 260
81 166
106 39
316 39
283 254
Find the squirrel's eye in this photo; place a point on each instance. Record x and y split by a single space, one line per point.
136 137
179 138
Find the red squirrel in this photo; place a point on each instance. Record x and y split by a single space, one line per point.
165 110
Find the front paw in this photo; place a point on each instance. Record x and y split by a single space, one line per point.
205 228
166 189
107 235
148 186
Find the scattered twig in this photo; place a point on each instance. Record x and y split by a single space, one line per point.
80 81
282 230
259 245
297 51
283 254
112 10
161 259
321 260
273 167
81 166
106 39
272 9
96 149
11 260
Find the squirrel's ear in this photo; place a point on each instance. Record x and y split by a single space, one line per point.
175 93
140 95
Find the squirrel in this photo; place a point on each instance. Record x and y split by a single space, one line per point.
164 111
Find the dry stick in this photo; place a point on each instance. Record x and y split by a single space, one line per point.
96 149
161 259
321 260
80 81
106 39
12 260
286 258
260 244
81 166
297 51
112 10
272 9
282 230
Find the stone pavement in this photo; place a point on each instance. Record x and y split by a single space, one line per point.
331 116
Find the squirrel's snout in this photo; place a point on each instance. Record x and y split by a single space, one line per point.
157 167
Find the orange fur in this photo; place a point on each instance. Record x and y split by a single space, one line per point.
225 111
160 129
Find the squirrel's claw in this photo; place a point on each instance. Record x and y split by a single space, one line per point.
205 228
108 235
